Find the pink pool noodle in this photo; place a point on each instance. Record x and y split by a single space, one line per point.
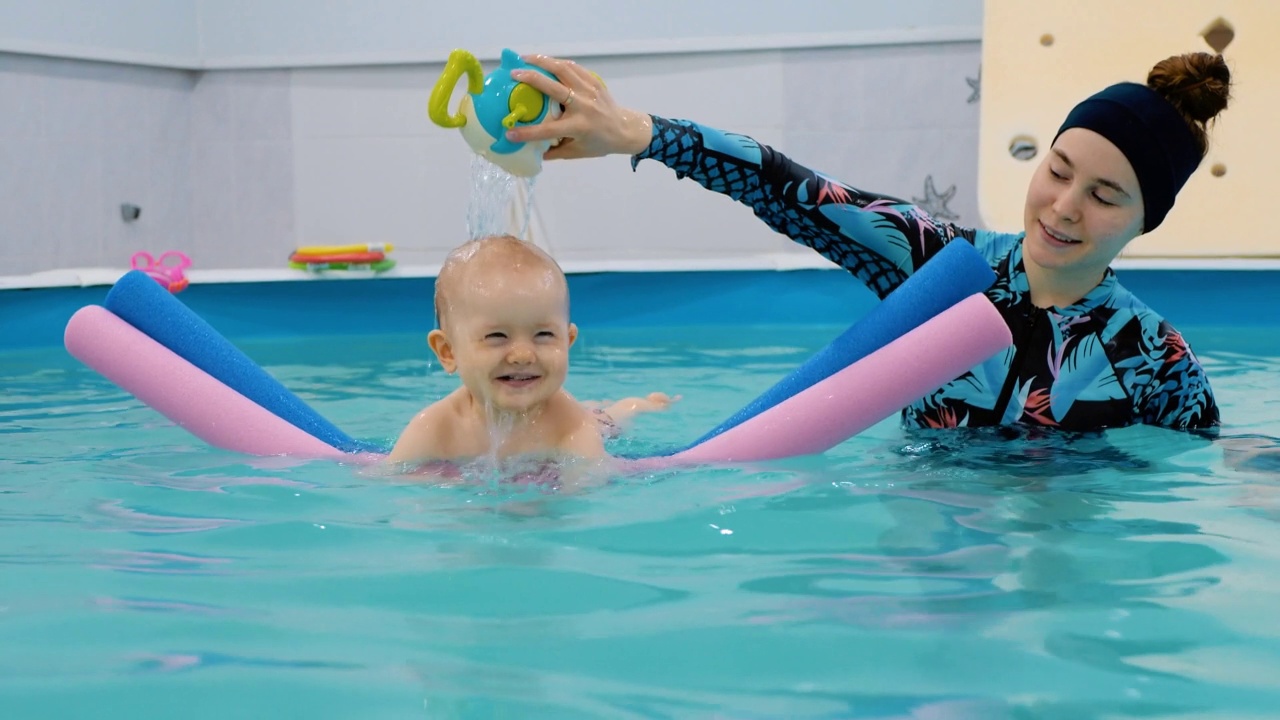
182 392
864 393
810 422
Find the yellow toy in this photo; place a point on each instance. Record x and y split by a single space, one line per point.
311 250
493 105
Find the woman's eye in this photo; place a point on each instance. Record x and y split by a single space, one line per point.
1057 174
1102 200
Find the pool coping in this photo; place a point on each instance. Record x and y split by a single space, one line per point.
788 291
102 276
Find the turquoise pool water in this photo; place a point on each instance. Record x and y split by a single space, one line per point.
1129 574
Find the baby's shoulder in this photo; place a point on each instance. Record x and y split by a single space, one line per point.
441 420
430 433
446 408
578 427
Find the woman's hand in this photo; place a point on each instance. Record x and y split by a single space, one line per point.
592 125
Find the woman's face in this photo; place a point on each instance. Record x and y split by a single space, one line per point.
1083 206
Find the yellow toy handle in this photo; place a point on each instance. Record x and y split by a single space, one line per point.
459 62
526 105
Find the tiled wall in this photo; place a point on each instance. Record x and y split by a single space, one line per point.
76 140
898 120
242 170
238 167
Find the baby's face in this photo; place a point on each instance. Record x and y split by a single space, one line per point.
511 338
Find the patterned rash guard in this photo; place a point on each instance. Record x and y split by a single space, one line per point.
1106 361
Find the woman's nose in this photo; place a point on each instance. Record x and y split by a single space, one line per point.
1067 206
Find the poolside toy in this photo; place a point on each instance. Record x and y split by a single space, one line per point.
171 359
319 258
168 270
318 267
317 250
494 104
346 257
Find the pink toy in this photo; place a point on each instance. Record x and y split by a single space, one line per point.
811 421
168 269
864 393
184 393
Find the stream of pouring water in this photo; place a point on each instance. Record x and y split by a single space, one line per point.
495 206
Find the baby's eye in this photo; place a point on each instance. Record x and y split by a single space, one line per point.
546 334
496 336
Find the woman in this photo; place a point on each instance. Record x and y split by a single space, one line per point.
1087 354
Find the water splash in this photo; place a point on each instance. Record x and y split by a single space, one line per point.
500 426
500 203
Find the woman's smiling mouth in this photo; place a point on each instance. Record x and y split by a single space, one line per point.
1057 237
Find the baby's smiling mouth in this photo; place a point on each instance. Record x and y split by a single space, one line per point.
519 378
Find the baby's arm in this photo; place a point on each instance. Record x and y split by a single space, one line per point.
623 410
589 465
585 441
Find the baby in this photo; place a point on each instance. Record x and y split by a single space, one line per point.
502 311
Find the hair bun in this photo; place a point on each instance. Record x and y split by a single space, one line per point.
1197 84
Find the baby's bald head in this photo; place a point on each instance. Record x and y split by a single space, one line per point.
491 265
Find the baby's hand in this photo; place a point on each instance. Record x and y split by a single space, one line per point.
656 401
620 412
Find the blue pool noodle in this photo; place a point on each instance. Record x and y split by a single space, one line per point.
954 273
140 301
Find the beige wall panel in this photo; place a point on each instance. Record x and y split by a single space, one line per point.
1040 57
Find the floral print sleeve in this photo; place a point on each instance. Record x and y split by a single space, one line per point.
1106 361
880 239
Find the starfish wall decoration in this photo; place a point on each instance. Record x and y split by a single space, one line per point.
934 202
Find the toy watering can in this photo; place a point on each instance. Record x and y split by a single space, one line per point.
493 105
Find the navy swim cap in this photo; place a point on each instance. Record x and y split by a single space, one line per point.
1151 134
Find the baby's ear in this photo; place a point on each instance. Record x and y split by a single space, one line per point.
573 334
443 349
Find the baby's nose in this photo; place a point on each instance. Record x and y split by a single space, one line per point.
521 353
